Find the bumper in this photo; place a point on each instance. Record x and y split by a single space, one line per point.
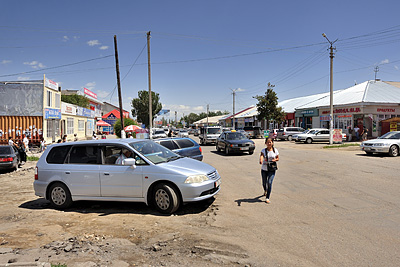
376 149
198 192
241 149
198 157
40 188
7 165
209 140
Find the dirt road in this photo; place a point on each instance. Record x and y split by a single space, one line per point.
329 208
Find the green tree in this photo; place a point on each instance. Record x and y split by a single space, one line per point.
140 106
267 106
118 128
78 100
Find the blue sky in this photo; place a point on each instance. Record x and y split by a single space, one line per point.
200 50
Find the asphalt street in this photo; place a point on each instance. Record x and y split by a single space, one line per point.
329 207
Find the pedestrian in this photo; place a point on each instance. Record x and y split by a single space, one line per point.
170 133
350 134
75 138
21 149
42 145
365 134
268 160
10 141
357 131
26 143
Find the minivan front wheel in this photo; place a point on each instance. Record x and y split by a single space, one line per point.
59 196
165 198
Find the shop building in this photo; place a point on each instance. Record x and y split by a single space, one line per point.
112 116
32 108
76 120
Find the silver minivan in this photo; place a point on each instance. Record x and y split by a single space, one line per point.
135 170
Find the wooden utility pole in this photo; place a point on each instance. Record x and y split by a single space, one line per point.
150 100
121 111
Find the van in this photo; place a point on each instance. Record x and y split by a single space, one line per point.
132 170
253 131
286 133
209 134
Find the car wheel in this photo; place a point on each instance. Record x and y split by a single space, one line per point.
59 196
165 199
289 138
308 140
217 147
226 150
394 151
251 152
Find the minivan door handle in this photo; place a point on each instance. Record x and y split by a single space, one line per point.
67 172
106 173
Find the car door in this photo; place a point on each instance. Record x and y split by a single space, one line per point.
323 135
118 180
81 170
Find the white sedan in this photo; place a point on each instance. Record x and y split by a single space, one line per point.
387 143
183 133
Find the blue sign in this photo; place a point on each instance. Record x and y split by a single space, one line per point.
52 113
163 111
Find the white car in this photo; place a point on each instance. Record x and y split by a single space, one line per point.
159 133
387 143
316 135
183 133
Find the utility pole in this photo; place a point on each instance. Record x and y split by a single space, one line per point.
121 113
376 71
150 100
233 105
207 113
331 55
176 122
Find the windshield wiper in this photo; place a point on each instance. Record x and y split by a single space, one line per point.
174 158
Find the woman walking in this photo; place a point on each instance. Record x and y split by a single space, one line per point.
268 158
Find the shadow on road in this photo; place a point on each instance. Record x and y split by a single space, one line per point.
104 208
249 200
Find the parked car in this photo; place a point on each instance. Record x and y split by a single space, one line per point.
387 143
133 170
253 131
286 133
9 158
274 133
247 134
295 137
183 133
185 147
159 133
233 141
316 135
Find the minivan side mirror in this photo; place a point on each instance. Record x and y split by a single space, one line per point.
129 162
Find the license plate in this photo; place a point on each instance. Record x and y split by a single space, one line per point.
244 148
217 183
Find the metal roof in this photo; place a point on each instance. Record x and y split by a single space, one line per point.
290 105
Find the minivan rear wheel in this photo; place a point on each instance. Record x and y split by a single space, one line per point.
59 196
165 198
289 138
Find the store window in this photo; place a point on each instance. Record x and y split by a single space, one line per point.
81 125
49 98
58 101
70 126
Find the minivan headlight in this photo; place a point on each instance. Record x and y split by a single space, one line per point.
194 179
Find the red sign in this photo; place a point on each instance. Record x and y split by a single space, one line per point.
343 110
390 110
90 93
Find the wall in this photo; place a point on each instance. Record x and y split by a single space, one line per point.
14 125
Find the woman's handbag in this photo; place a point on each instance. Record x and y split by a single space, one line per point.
272 166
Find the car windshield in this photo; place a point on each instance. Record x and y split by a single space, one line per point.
390 135
5 150
306 131
154 152
235 136
313 131
213 130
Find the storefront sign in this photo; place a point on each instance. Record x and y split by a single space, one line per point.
68 109
343 110
324 118
337 135
90 93
393 126
386 110
306 113
52 113
50 84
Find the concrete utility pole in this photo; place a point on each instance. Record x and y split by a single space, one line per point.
376 71
121 111
150 101
331 55
233 105
207 113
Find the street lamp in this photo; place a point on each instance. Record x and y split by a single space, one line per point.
331 55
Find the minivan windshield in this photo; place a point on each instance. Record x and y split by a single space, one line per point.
154 152
213 130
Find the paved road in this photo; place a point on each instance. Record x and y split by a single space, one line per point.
329 207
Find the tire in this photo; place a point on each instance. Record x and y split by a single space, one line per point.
308 140
251 152
59 196
226 150
217 147
165 199
393 151
289 138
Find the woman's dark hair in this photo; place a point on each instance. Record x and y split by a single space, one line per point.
269 138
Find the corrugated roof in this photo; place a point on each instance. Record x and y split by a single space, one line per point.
290 105
211 120
371 92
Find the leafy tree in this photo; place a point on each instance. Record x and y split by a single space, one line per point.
78 100
118 128
140 106
267 106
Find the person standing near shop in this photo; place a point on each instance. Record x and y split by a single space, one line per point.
26 143
357 132
268 159
364 135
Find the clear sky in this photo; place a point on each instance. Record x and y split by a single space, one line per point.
200 50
